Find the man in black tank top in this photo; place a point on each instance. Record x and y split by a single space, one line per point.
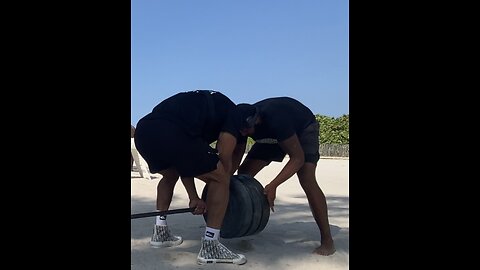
281 126
174 139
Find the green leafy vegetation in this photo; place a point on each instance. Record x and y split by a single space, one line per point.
333 130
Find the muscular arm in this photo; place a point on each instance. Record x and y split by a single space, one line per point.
292 147
195 201
226 145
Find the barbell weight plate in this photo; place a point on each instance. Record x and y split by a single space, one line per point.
265 206
256 198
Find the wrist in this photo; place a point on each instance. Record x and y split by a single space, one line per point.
273 184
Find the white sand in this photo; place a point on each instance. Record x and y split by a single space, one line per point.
286 242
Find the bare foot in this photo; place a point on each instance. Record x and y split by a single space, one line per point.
325 249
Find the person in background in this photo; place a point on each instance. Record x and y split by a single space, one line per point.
132 132
280 126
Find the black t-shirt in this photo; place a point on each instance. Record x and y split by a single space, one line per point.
281 118
202 113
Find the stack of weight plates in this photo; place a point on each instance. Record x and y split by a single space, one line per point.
247 211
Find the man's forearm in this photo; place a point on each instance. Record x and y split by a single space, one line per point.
189 184
237 157
292 167
293 148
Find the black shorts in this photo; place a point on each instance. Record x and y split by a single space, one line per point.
164 144
270 150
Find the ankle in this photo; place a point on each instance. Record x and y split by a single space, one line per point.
327 241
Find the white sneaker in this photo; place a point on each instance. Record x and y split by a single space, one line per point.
162 237
212 251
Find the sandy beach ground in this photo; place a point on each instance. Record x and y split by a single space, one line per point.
286 242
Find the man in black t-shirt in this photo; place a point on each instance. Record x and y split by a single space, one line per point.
174 139
281 126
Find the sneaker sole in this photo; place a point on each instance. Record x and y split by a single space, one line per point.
207 261
165 244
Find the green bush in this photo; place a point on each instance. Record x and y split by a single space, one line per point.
333 130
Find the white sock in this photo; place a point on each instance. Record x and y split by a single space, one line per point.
211 233
161 220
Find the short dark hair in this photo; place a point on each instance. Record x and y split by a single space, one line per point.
248 115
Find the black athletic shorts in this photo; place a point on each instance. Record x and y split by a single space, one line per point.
269 150
164 144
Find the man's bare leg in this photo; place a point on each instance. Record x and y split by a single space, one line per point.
252 166
162 237
165 189
318 206
217 197
212 251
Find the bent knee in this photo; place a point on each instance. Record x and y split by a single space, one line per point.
252 166
218 175
169 175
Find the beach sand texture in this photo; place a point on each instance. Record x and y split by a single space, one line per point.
286 242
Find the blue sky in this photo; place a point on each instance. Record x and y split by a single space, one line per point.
247 49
